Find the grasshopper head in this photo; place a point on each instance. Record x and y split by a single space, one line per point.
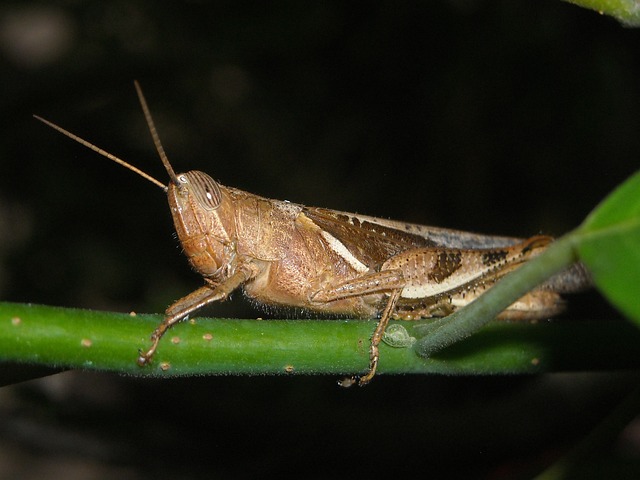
204 219
202 211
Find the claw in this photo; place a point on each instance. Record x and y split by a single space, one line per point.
143 358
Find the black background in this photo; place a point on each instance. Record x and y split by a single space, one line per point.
511 117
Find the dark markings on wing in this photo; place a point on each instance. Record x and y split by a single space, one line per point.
446 265
370 243
493 257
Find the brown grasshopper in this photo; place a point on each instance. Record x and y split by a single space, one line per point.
322 260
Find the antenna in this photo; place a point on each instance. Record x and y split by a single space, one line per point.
102 152
154 135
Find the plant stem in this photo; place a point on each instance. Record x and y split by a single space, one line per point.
91 340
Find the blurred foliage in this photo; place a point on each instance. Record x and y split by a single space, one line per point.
625 11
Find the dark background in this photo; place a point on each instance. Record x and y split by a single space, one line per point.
512 117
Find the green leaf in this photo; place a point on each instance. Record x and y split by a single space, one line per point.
609 244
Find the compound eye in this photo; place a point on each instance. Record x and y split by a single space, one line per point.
204 188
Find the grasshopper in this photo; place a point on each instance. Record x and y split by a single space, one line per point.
332 262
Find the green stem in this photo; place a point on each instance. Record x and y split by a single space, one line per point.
81 339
